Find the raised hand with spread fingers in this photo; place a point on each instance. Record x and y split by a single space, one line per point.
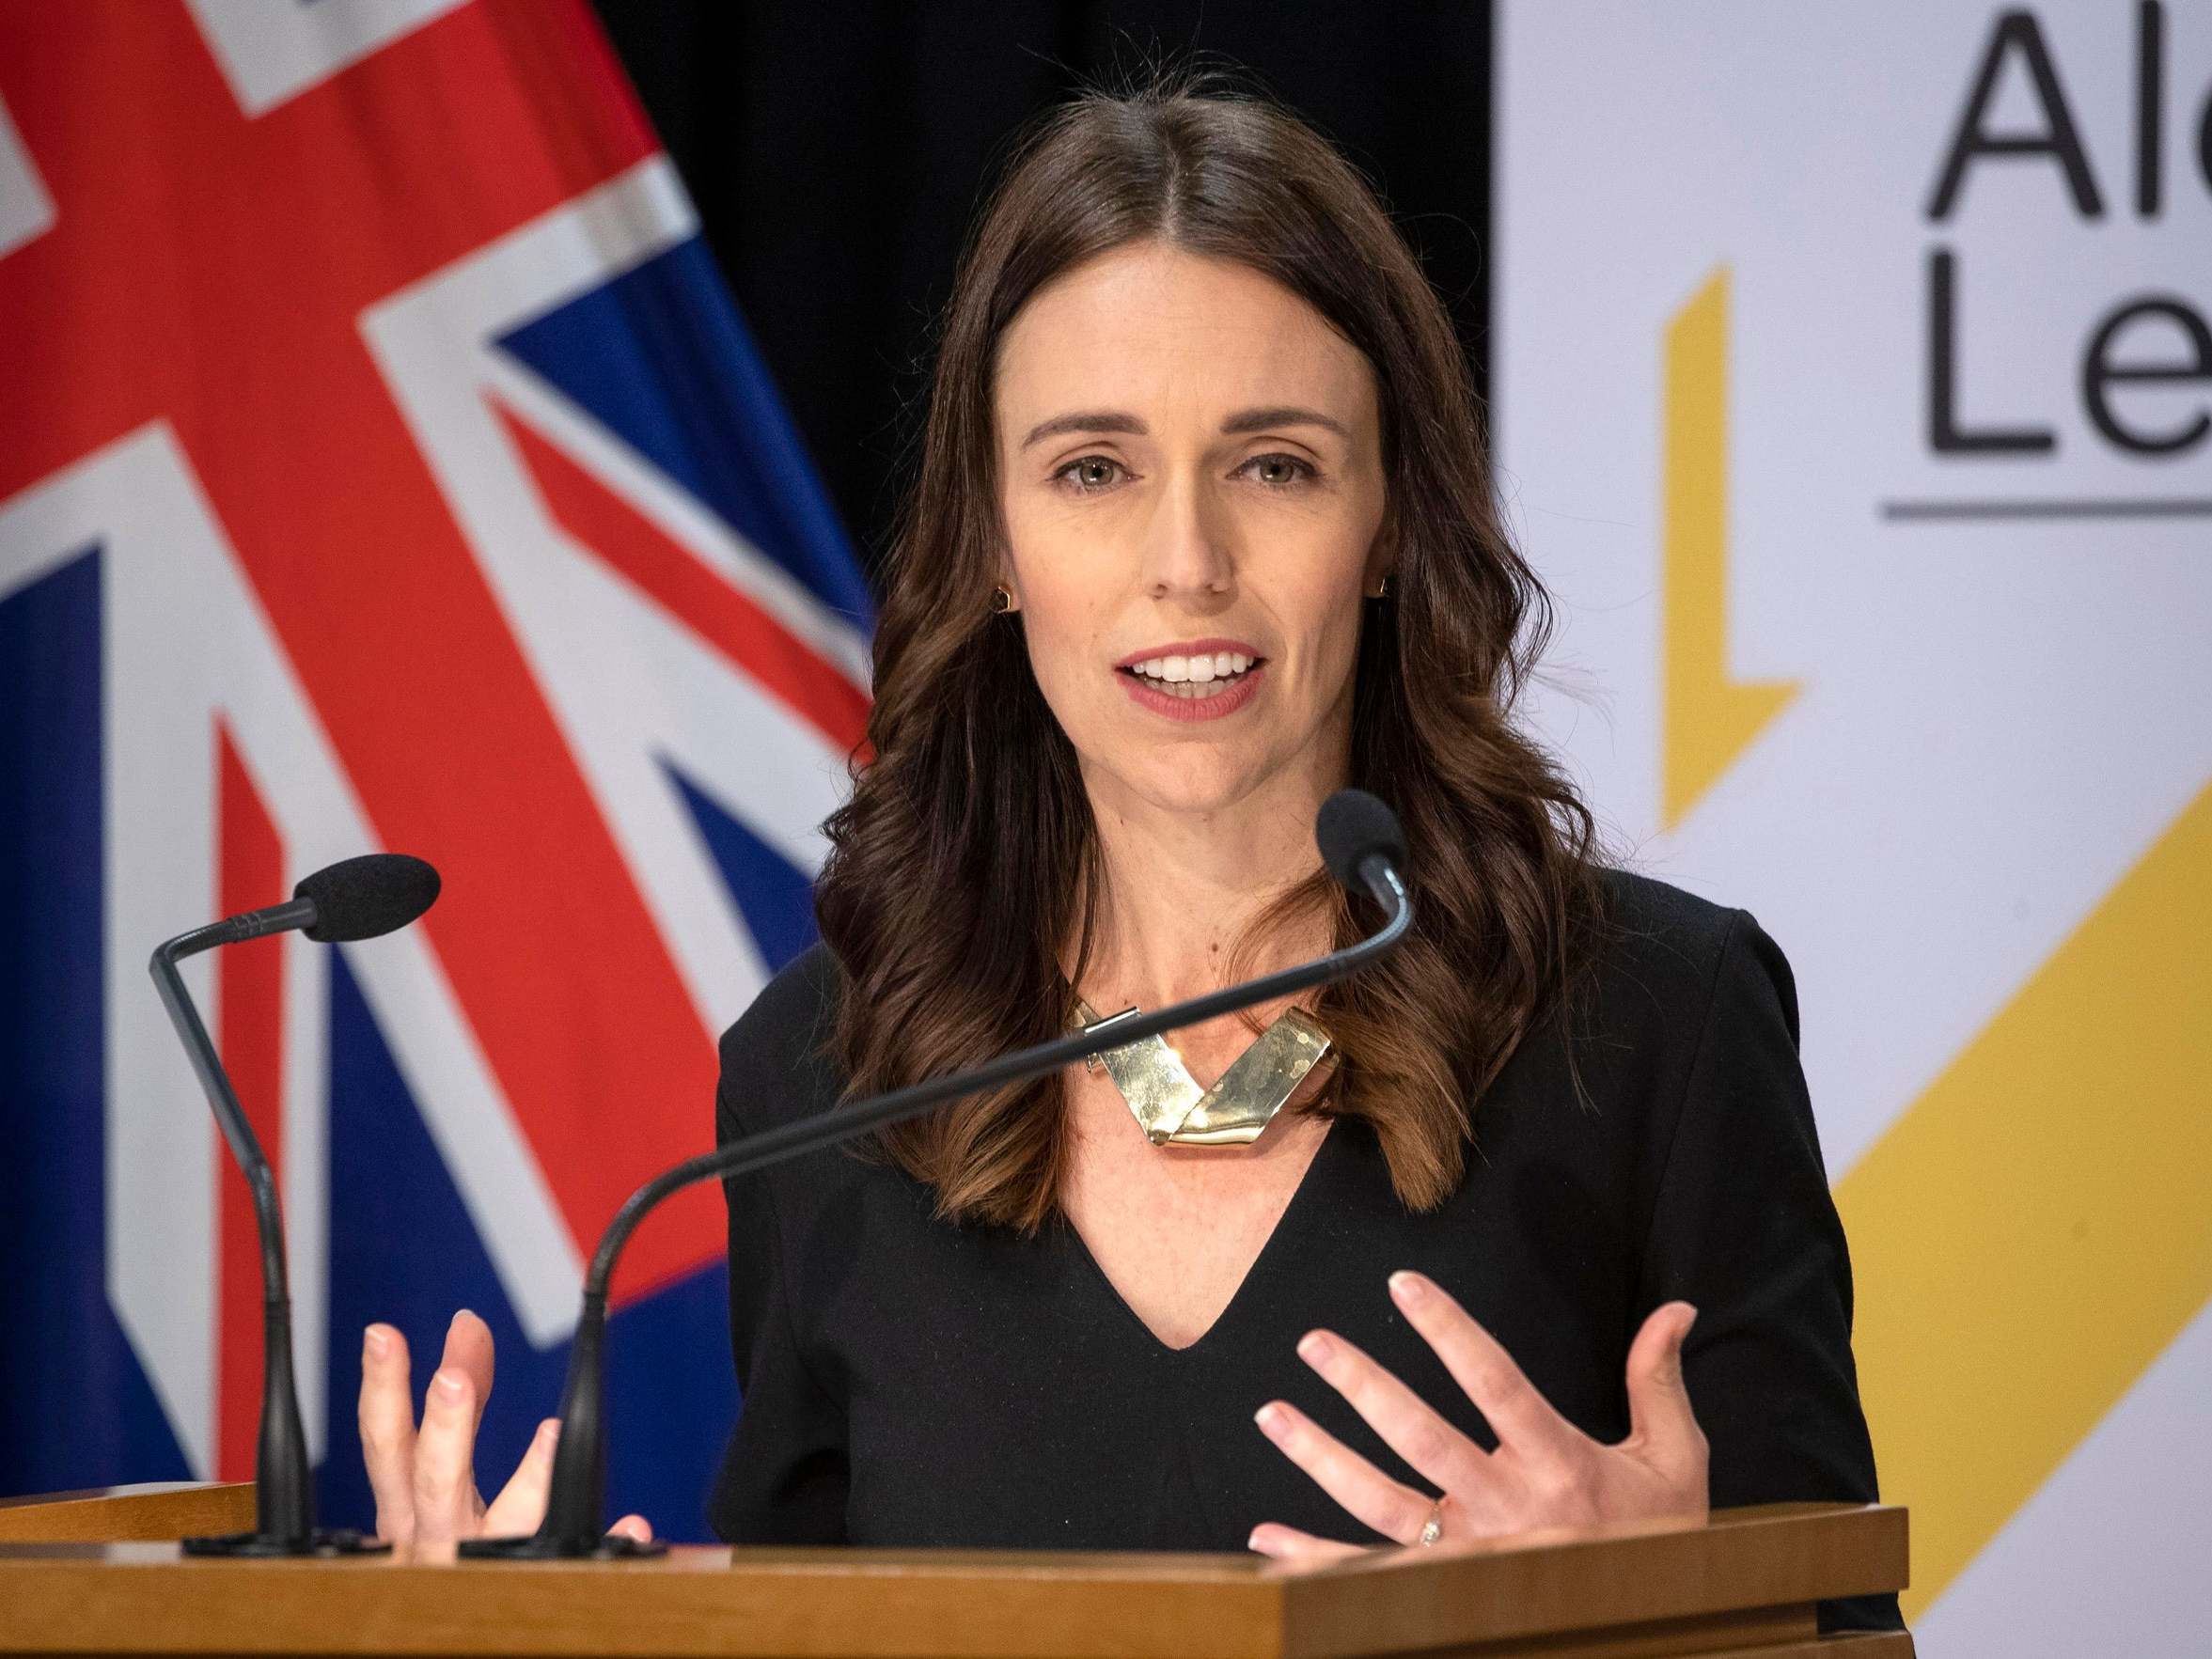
425 1478
1545 1472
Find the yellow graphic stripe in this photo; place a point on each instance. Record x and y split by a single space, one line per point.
2037 1227
1709 719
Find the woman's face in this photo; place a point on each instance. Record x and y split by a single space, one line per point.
1190 474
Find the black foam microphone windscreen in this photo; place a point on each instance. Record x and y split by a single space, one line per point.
1351 825
361 897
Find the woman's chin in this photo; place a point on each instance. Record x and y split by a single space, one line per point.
1193 793
1185 777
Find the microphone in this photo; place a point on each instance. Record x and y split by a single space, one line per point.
1353 828
1362 847
357 898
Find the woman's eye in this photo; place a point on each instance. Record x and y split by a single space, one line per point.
1084 470
1298 471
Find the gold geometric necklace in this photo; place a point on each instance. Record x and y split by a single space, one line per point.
1171 1108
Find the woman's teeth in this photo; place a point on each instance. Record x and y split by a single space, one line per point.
1192 676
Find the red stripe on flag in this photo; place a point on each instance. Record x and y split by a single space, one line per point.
249 1031
792 671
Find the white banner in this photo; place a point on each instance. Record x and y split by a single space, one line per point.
1853 378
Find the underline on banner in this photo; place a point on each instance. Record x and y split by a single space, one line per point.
2175 507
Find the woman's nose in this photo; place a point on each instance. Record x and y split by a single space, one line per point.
1188 549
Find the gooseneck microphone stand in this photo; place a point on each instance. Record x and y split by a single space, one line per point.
1362 847
355 899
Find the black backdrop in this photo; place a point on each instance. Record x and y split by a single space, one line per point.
837 150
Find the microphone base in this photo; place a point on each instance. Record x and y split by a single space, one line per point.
611 1546
324 1540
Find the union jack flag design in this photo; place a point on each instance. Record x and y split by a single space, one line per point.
381 465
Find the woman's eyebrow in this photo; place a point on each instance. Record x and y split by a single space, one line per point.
1090 420
1244 420
1280 415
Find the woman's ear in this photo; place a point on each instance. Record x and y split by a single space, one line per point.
1005 596
1382 557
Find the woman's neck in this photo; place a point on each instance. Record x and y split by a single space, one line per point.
1181 888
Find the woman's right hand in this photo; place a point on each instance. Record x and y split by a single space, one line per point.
425 1480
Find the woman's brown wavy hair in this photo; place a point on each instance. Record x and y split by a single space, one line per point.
966 857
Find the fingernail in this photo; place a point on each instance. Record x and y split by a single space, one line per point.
1692 1321
1407 1287
376 1341
448 1384
1252 1542
547 1430
460 1314
1271 1420
1316 1349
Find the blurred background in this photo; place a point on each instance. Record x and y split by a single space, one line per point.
473 428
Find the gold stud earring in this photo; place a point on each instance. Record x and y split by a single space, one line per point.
1001 600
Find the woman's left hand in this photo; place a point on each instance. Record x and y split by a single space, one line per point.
1545 1472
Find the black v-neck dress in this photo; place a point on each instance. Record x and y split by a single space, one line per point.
906 1381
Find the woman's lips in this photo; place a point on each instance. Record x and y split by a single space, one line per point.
1228 700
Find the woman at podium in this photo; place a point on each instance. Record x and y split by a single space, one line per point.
1525 1225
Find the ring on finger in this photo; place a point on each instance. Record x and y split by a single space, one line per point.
1433 1528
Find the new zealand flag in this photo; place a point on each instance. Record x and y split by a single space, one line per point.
381 465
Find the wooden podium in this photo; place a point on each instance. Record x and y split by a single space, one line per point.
1742 1585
